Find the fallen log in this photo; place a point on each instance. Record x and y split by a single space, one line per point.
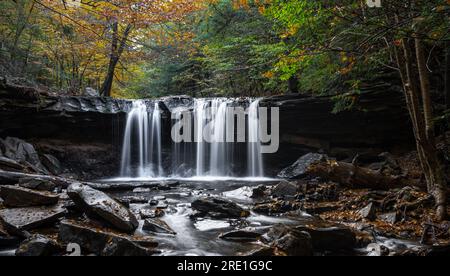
351 176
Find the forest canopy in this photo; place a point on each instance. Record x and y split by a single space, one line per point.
136 48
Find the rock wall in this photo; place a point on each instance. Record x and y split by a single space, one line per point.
85 133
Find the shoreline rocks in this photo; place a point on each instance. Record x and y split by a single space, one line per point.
99 205
101 241
16 196
218 208
18 220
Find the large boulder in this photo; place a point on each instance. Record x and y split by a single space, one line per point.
102 241
52 164
16 196
295 243
18 220
157 226
11 165
38 246
23 153
218 208
241 236
38 184
99 205
300 168
285 189
332 238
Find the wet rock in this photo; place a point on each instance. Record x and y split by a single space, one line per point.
300 167
377 250
38 184
275 207
51 163
101 241
15 196
241 236
18 220
162 205
218 208
153 202
10 165
285 189
259 192
391 218
295 243
100 205
38 246
151 213
330 238
142 190
369 212
158 198
157 226
127 200
22 152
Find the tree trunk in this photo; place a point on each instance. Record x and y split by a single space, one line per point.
417 92
117 48
447 75
437 183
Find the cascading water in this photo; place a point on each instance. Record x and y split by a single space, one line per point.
142 136
255 162
210 156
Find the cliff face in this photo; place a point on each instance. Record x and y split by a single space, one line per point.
86 132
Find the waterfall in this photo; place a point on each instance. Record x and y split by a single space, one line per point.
218 165
142 136
200 123
255 162
209 156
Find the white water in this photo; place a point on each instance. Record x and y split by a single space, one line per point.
143 135
255 162
211 158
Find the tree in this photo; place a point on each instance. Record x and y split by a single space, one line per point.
398 36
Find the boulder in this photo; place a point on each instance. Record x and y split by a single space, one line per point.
300 167
38 184
38 246
369 212
15 196
100 205
23 153
11 165
52 164
259 192
147 213
391 218
157 226
333 238
241 236
18 220
285 189
102 241
218 208
295 243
